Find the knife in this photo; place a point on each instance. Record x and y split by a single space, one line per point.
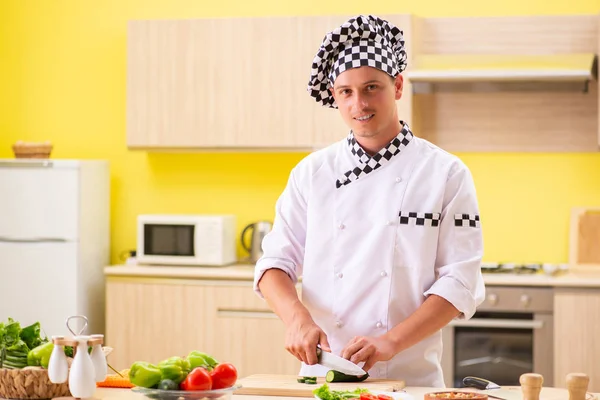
491 389
337 363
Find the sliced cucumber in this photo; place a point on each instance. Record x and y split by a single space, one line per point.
311 380
337 376
301 379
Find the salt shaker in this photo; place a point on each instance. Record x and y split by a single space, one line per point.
58 366
99 359
82 382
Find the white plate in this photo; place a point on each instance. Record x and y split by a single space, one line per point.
394 395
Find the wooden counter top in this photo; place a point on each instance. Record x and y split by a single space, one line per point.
245 272
416 392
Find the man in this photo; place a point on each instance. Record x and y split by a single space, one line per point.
382 226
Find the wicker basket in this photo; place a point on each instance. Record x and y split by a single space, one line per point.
30 383
32 150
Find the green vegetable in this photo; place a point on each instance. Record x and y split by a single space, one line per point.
15 343
199 359
167 384
337 376
324 393
40 355
144 374
174 369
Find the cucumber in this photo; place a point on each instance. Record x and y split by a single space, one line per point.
307 379
337 376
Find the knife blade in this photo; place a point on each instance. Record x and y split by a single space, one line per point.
337 363
492 389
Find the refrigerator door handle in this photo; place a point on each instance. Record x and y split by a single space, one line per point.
28 164
31 240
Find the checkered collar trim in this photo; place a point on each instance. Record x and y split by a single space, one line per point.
367 163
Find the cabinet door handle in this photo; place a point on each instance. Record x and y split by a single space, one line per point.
237 313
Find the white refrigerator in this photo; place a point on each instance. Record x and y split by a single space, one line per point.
54 242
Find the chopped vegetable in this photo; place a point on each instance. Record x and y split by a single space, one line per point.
337 376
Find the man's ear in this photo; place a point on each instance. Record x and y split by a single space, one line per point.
332 92
399 86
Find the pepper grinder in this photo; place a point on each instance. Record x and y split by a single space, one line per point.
577 384
531 386
99 359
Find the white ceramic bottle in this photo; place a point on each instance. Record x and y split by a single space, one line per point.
58 366
82 378
99 360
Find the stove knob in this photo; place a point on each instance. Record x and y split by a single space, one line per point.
525 300
493 299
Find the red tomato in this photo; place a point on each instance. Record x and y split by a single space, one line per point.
367 396
197 379
224 375
384 397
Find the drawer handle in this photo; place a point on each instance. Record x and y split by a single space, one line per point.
233 313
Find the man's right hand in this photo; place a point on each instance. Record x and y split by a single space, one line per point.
302 338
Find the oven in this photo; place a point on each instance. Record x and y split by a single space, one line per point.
510 334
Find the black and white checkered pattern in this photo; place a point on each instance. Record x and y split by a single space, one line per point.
368 164
361 41
419 218
468 220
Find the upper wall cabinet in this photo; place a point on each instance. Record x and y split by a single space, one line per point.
228 83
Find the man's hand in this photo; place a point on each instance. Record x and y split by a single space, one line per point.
302 337
369 349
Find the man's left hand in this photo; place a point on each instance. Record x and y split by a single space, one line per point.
369 349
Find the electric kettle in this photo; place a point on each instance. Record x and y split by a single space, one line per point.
259 230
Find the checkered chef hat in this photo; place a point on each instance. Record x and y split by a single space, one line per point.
360 41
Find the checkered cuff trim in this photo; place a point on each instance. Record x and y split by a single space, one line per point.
419 218
368 164
467 220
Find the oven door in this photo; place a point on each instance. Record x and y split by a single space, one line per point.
498 346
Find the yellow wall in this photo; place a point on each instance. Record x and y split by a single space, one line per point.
62 78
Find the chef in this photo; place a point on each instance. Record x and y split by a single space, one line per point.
382 226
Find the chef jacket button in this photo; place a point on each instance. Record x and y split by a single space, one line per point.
341 226
390 222
383 273
379 325
338 323
398 179
340 275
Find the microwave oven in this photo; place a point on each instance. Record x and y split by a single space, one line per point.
194 240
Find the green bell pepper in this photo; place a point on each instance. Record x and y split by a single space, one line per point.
199 359
40 355
144 374
174 368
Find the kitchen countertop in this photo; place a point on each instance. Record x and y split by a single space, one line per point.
416 392
241 272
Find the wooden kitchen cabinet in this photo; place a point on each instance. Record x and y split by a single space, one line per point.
151 319
225 83
244 88
576 330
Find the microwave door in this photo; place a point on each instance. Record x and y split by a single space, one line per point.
166 242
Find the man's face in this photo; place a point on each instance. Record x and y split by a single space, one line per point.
366 98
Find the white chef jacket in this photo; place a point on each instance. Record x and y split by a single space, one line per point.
367 261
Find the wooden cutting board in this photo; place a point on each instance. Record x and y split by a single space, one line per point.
287 385
584 241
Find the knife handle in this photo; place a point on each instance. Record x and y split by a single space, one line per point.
478 383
